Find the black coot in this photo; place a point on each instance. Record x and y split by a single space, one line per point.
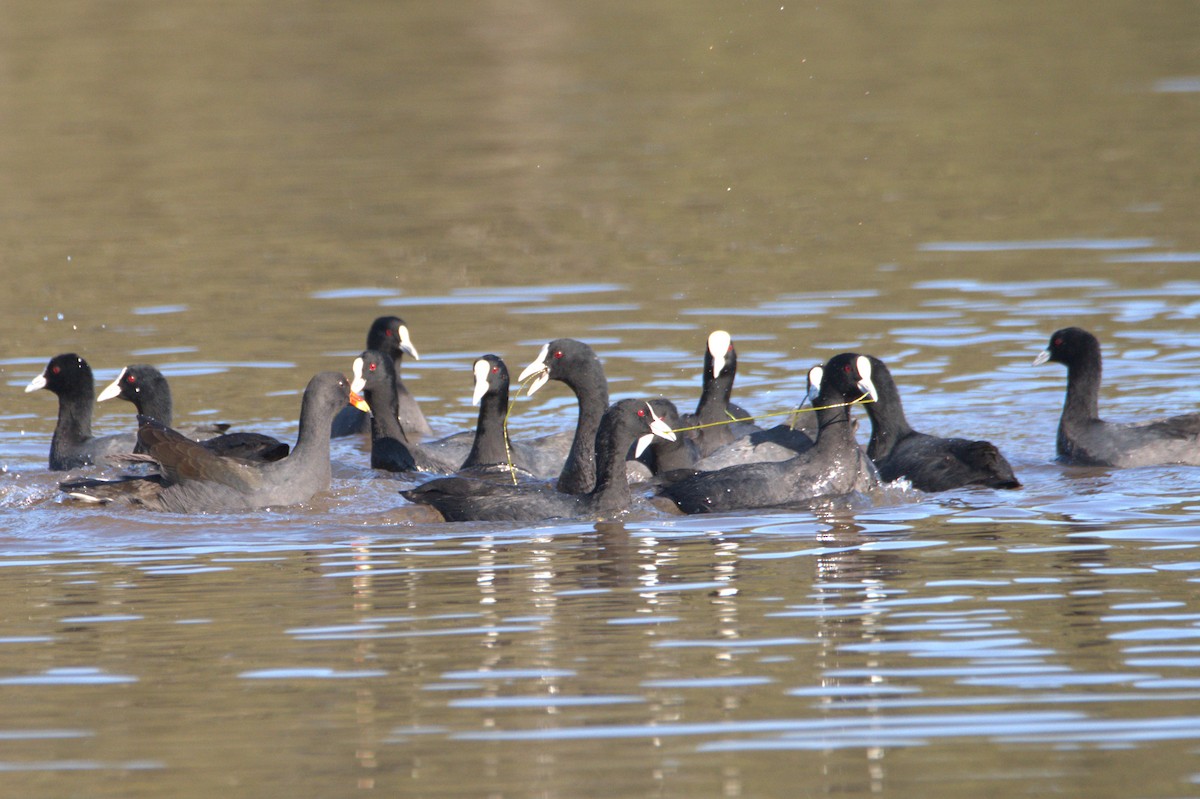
389 335
391 447
492 449
70 378
928 462
148 390
1087 440
574 363
475 499
715 414
834 466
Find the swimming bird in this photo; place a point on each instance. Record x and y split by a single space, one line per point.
194 479
835 465
69 377
1087 440
391 447
929 462
492 448
389 335
148 390
715 415
474 499
576 364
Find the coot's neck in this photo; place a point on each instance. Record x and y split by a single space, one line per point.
834 430
613 440
888 423
1083 387
578 475
715 393
74 424
490 436
713 408
390 446
154 400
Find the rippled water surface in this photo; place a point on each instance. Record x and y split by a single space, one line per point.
233 194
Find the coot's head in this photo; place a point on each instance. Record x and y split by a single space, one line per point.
1069 346
847 378
389 335
133 384
491 376
721 356
65 374
373 371
563 359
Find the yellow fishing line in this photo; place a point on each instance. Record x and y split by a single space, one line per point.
864 399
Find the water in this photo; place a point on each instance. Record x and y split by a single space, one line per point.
235 195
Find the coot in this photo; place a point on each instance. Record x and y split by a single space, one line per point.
1087 440
391 447
389 335
928 462
148 390
715 416
576 364
69 377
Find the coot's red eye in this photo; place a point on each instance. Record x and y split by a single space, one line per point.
55 369
388 333
1058 342
495 370
641 413
371 367
131 379
847 368
558 353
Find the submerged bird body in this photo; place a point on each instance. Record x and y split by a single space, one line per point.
779 443
1087 440
929 462
834 466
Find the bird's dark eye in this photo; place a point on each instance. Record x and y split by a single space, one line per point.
558 353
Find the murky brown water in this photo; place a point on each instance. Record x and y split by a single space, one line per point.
234 192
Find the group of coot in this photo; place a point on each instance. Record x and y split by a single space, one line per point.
715 459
